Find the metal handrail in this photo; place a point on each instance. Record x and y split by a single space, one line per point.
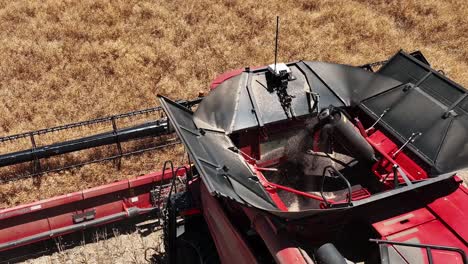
428 248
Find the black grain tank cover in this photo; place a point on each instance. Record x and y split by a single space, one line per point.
244 101
429 103
224 171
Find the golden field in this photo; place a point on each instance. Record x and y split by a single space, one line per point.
67 61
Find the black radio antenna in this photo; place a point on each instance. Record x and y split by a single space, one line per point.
276 40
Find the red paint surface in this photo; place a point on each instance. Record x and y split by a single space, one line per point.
443 222
62 220
271 191
24 230
453 211
44 204
434 233
223 77
281 247
46 215
402 222
104 189
249 145
230 244
192 211
383 168
228 75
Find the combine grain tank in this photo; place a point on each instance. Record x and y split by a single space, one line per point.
314 161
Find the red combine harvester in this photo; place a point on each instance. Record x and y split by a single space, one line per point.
305 162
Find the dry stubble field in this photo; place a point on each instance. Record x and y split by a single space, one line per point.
66 61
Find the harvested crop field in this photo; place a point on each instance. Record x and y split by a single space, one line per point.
67 61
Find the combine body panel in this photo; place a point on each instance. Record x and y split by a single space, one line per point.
426 226
77 211
265 144
307 162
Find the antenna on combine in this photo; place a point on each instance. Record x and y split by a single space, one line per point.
279 70
278 76
276 40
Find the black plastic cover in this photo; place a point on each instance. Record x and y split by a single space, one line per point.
430 104
223 170
351 84
228 107
244 101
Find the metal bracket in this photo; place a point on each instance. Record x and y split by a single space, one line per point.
117 142
378 119
396 169
450 111
85 216
36 163
411 139
315 97
428 248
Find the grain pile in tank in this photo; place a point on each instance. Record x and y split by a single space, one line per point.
303 168
307 154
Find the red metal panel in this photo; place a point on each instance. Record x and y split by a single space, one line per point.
140 201
107 209
434 233
223 77
105 200
386 147
453 210
105 189
383 142
281 247
40 205
437 225
62 220
23 230
402 222
148 178
132 183
462 187
249 145
230 244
